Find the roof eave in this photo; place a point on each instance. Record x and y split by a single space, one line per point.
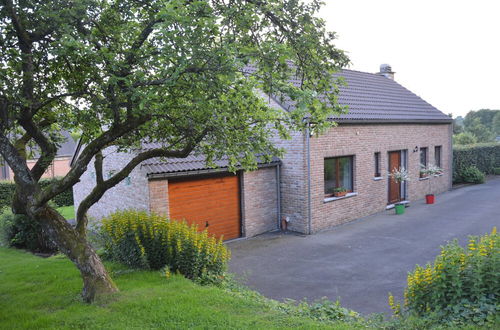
393 121
166 175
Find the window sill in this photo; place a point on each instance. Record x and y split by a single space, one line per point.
422 179
331 199
378 178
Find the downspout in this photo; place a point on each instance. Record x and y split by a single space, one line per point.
450 157
308 155
278 193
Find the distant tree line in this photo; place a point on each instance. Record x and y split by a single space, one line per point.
480 126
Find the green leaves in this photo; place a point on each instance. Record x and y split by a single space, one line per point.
195 70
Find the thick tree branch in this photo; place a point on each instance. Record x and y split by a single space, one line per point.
143 36
103 186
25 44
99 176
47 147
85 157
17 163
22 34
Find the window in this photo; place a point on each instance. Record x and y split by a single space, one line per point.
437 156
338 173
377 164
423 157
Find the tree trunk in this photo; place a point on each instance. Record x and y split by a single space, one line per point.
96 280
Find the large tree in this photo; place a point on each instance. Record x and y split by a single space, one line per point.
481 124
124 72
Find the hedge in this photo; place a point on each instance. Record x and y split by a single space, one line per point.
7 190
486 157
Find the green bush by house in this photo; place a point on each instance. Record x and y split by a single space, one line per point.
470 174
143 240
486 157
7 189
462 286
19 231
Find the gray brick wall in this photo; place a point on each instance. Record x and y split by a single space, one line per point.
293 177
293 182
131 193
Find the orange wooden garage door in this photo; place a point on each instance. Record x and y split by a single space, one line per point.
211 201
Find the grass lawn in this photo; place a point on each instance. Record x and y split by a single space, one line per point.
44 293
68 212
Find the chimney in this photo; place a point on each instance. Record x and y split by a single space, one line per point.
386 70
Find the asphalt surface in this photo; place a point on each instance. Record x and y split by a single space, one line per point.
362 261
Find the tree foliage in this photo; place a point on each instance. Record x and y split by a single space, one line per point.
464 138
175 72
483 124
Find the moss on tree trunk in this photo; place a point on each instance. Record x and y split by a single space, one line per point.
96 280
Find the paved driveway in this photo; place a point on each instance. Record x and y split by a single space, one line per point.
362 261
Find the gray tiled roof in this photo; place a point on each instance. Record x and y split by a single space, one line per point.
193 162
372 97
66 149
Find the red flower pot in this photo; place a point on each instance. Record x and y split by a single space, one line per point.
340 194
429 199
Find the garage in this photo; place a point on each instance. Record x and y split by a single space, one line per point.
211 202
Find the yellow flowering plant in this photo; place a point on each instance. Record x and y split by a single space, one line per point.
462 284
142 240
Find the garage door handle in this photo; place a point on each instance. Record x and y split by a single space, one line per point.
206 224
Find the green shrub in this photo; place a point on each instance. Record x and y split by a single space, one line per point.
486 157
471 175
19 231
497 171
464 138
7 189
460 287
141 240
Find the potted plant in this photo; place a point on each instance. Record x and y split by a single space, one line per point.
423 171
339 192
400 175
432 170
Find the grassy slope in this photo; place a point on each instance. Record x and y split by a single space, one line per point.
68 212
44 293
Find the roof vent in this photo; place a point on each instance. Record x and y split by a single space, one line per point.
386 70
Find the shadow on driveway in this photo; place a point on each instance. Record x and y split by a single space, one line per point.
362 261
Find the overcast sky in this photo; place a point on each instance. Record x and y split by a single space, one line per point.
447 52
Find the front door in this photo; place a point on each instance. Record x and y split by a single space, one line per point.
394 187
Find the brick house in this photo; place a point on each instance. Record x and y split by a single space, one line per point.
60 165
387 127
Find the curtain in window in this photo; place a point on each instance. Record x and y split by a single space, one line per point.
346 172
330 175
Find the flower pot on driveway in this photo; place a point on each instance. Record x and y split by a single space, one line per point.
400 208
429 199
